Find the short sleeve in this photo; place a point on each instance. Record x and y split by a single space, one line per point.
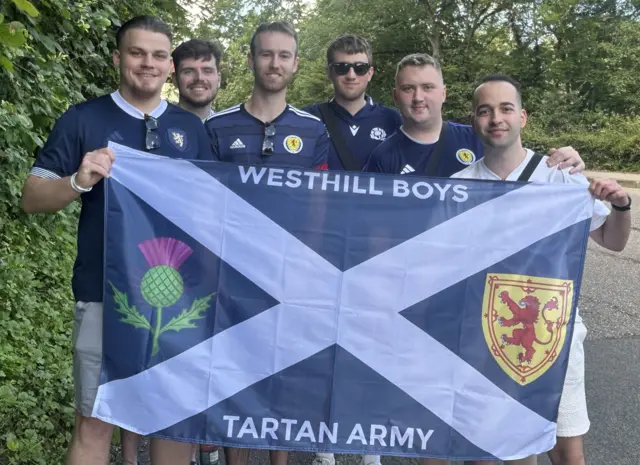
62 153
600 210
321 153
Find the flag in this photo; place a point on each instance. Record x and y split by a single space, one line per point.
280 308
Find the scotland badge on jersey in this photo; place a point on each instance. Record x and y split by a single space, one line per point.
178 138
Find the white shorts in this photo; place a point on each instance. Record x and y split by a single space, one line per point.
573 419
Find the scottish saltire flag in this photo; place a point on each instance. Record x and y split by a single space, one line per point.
280 308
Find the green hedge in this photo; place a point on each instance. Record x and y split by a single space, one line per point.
609 143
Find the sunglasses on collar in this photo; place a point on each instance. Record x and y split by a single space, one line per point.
152 140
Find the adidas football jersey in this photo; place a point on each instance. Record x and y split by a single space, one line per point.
401 154
92 125
362 132
298 139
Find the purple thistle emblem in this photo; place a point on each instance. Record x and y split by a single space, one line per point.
162 286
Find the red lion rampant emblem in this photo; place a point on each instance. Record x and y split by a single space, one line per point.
526 312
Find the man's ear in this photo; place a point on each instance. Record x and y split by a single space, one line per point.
523 118
115 57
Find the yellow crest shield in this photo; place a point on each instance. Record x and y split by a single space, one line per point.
293 144
524 320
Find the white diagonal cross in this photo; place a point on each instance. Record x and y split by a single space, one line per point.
320 306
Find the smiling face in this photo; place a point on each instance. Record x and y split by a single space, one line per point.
419 95
274 61
498 117
350 86
197 81
144 61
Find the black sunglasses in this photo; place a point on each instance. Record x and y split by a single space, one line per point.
268 143
358 67
152 140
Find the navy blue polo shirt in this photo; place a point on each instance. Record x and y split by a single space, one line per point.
300 139
401 154
90 126
364 131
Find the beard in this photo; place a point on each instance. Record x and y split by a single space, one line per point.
201 102
350 95
273 86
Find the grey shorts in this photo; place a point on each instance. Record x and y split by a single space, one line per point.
87 354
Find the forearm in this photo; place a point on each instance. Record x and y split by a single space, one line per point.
43 195
616 230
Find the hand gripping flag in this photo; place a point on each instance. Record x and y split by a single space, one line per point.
290 309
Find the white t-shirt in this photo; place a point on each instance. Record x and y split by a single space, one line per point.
542 173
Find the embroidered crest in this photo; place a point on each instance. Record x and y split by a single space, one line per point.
178 138
378 134
465 156
293 144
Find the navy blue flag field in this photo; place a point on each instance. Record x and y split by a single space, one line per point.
345 312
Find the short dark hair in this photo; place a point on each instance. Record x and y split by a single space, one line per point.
276 26
499 78
198 50
349 44
149 23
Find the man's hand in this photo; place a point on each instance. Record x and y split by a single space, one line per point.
565 157
609 191
95 166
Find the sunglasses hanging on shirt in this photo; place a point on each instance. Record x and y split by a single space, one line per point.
359 68
152 140
268 143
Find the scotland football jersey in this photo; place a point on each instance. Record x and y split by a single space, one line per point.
401 154
90 126
296 138
362 132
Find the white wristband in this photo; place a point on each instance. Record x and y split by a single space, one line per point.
75 187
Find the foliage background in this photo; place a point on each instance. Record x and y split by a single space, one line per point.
578 61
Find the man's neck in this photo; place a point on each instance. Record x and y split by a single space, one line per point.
266 106
146 105
201 112
425 134
352 106
503 161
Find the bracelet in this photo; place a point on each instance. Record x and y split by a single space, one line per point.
75 187
626 208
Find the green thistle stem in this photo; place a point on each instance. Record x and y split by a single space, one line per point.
156 332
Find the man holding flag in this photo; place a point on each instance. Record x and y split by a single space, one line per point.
72 165
267 131
498 119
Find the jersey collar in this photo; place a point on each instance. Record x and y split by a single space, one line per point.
279 117
133 111
369 104
415 140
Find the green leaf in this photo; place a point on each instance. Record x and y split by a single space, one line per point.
27 7
187 317
131 315
6 63
11 35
